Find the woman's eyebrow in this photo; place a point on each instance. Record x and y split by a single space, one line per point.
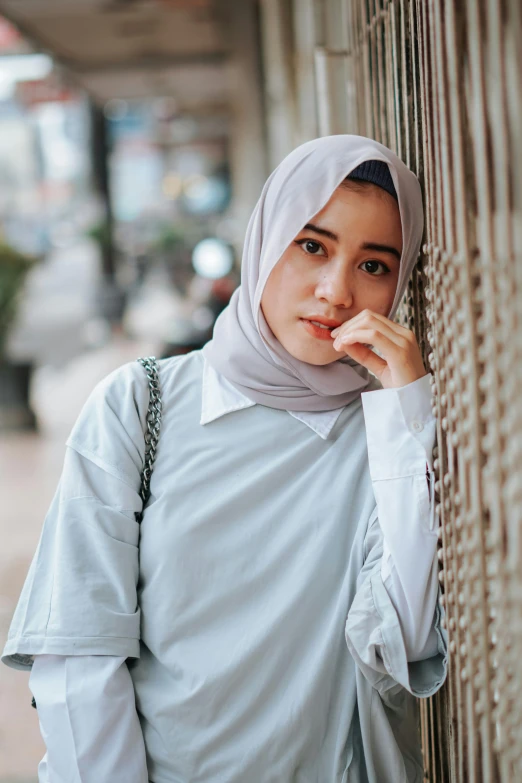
382 248
323 231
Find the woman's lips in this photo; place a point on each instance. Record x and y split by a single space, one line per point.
321 332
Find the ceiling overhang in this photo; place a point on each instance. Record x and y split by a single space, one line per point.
132 49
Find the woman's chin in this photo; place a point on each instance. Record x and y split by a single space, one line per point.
320 362
318 355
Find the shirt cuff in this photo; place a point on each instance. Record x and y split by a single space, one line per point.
400 429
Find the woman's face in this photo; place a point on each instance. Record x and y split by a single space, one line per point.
345 260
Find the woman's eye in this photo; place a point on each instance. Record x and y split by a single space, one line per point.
371 267
311 247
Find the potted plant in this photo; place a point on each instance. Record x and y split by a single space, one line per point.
15 412
174 246
111 296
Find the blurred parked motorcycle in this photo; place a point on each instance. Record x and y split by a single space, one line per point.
209 291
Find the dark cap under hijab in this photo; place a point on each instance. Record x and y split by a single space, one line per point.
375 171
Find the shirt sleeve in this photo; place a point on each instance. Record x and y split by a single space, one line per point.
401 431
88 720
80 594
374 634
394 627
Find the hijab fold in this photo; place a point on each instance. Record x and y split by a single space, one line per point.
243 347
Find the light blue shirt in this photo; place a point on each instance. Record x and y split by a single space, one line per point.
264 642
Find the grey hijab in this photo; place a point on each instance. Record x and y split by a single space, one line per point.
243 347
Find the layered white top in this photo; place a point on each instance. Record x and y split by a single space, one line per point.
215 650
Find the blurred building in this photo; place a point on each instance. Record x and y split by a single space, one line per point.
190 70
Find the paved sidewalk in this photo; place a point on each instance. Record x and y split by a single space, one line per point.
30 466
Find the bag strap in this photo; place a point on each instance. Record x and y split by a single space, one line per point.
151 435
153 428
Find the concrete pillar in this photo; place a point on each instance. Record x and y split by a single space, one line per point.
279 82
248 141
304 26
334 78
111 298
100 174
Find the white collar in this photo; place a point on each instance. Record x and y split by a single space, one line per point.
219 397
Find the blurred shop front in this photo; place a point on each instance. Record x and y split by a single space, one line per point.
130 135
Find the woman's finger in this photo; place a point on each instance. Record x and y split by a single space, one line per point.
390 350
370 320
366 357
401 331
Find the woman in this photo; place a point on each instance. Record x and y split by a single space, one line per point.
280 614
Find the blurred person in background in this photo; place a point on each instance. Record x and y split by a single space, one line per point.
275 615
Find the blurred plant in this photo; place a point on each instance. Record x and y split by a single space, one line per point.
182 233
100 233
14 266
173 247
170 240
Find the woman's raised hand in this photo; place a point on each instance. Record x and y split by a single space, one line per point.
401 361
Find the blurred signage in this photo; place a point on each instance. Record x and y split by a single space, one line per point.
11 42
47 90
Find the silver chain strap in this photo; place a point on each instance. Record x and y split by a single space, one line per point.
151 436
153 428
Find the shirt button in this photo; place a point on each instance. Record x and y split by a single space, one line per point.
417 426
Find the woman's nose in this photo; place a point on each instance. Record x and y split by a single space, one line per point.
335 286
